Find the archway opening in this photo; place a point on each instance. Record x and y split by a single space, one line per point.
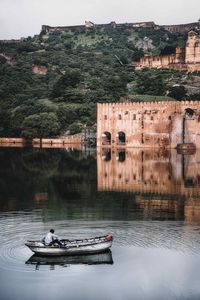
106 138
121 138
189 112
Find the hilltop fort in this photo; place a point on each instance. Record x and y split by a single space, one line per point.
184 59
88 24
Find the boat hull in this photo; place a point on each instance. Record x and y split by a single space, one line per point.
90 259
75 247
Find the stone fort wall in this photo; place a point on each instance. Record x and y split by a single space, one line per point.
162 124
184 59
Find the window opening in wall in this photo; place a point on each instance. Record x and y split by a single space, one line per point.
169 117
142 138
105 117
189 112
126 112
151 118
121 138
106 138
119 117
134 117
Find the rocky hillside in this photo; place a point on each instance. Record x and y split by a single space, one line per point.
50 83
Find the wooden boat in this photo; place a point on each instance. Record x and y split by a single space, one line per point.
72 247
89 259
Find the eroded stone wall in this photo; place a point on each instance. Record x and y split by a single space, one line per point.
148 124
184 59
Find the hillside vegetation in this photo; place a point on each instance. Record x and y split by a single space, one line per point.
84 66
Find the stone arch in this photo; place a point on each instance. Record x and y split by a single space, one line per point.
106 138
189 112
121 138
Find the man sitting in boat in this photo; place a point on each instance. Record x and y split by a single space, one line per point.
51 239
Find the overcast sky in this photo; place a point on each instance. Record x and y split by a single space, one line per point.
21 18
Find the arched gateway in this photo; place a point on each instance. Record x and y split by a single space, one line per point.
106 138
152 124
121 138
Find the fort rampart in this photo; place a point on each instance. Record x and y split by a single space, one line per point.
184 59
162 124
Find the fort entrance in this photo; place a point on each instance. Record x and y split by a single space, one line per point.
106 138
121 138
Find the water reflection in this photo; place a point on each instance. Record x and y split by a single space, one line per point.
65 261
147 171
160 180
121 185
149 201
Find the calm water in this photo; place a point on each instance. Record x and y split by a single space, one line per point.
149 202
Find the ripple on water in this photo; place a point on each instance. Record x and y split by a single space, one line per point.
19 228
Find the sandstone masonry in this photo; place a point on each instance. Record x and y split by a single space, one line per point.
184 59
148 124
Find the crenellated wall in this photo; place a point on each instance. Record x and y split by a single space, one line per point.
162 124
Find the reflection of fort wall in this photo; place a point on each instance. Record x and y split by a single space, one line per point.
164 183
148 172
160 207
179 209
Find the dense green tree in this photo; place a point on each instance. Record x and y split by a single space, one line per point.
2 60
40 125
70 79
75 128
177 92
85 66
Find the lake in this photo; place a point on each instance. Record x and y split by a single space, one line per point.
148 200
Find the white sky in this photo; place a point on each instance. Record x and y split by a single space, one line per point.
21 18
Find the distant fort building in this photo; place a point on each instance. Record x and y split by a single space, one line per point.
184 59
113 24
148 124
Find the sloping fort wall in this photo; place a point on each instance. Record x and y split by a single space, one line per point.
184 59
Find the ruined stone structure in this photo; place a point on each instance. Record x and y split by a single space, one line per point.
88 24
9 59
184 59
181 27
40 70
148 124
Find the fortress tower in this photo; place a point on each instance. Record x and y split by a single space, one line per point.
192 54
